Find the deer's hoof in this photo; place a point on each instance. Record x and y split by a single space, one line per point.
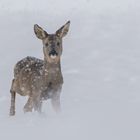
12 113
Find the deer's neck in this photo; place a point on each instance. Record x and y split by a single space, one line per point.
56 67
52 72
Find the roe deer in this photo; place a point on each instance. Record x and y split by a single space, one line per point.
40 79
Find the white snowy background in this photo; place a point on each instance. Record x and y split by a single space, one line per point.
100 63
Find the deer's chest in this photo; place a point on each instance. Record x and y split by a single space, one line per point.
53 76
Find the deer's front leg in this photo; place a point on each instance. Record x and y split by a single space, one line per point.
55 100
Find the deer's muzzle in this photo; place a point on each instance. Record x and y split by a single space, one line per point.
53 53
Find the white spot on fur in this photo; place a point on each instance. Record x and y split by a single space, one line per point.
22 89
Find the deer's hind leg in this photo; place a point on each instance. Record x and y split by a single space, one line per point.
13 97
29 105
37 102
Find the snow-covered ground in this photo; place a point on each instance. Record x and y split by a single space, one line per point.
100 63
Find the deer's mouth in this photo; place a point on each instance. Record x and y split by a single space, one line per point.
53 56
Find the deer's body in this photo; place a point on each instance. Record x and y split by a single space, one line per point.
34 74
40 79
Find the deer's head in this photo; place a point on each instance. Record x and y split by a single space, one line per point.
52 43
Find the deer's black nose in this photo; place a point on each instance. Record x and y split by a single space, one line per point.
53 52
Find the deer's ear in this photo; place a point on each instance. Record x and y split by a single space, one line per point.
40 33
63 30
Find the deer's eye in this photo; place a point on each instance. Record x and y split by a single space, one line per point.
58 43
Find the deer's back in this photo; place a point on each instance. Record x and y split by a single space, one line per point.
28 64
